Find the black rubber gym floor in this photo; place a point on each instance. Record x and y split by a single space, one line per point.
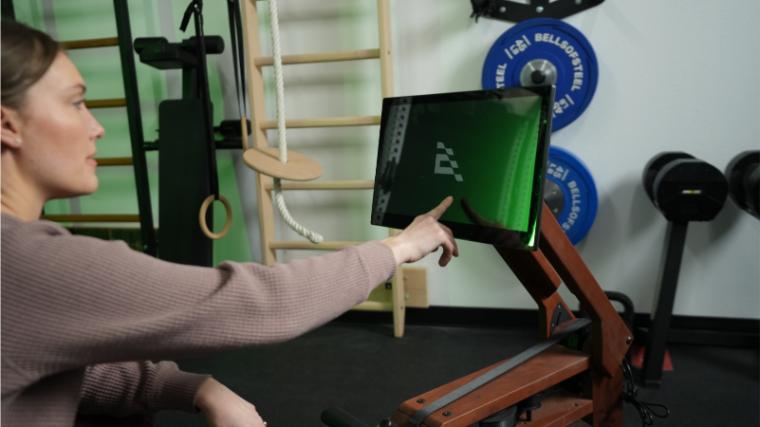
363 369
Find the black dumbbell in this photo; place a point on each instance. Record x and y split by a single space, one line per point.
743 175
684 188
656 164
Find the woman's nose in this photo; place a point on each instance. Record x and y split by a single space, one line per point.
96 130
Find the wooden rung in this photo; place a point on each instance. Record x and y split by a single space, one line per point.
324 246
324 122
326 185
114 161
106 103
374 306
311 58
88 43
93 218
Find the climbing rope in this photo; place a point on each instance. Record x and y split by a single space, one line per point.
277 194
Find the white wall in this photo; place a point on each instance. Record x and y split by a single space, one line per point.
676 75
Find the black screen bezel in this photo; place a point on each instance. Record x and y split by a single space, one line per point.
481 233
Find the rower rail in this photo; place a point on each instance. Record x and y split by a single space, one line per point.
555 365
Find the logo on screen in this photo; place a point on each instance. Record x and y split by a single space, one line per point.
445 163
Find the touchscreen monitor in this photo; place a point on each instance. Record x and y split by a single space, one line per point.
485 148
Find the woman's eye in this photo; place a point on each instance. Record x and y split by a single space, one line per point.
79 104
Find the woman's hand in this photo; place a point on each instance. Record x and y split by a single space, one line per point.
423 236
224 408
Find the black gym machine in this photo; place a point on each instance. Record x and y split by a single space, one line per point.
187 141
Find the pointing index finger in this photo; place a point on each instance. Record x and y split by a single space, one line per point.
437 211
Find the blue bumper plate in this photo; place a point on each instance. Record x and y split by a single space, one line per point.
570 192
545 51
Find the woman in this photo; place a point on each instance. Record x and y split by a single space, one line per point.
82 317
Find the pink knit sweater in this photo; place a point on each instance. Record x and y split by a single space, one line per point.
78 313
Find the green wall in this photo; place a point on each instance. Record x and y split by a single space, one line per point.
101 69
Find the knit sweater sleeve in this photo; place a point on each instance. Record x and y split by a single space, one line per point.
137 387
74 301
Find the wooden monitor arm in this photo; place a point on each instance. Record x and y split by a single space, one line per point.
541 272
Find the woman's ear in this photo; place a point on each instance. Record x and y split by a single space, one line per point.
11 124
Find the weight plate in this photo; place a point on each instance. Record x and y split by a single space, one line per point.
737 172
570 192
545 51
654 166
752 190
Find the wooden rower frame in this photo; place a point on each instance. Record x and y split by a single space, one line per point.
599 364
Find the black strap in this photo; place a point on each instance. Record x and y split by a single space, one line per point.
195 9
495 372
236 40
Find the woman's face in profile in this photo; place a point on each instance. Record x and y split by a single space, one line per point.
58 133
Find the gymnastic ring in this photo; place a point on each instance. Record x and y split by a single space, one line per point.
202 217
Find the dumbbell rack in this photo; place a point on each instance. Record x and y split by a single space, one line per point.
597 366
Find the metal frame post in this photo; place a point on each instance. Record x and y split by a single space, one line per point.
658 333
147 231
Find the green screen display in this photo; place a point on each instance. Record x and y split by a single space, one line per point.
485 148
